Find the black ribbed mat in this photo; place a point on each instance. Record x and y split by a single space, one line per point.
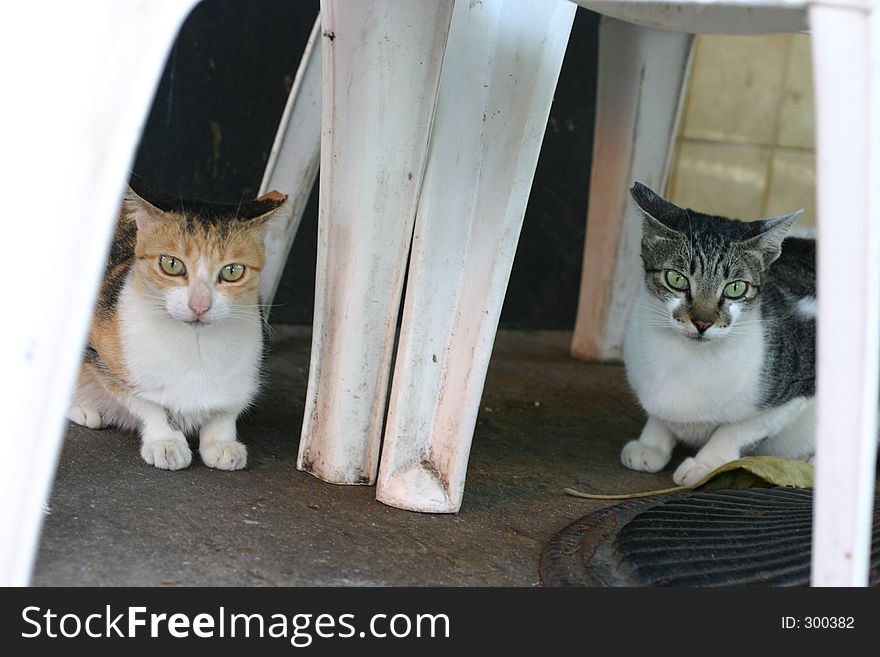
754 537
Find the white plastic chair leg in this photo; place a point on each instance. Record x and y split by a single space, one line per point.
293 162
502 63
845 40
642 77
381 68
64 163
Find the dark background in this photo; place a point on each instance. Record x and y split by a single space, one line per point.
217 108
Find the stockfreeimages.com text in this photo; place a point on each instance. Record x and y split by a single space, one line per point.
300 629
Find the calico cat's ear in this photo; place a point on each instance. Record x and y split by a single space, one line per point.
139 209
263 208
656 212
768 243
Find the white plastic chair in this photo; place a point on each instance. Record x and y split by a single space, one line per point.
79 79
430 169
415 156
478 152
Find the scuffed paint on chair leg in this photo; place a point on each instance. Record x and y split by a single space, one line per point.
293 162
381 68
642 77
501 67
848 195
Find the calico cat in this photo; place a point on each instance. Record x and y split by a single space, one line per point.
176 340
720 345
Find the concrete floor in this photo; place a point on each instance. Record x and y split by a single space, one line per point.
546 422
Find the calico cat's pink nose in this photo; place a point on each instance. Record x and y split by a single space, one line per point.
199 305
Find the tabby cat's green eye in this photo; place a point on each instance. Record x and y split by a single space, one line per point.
233 272
172 266
736 289
676 280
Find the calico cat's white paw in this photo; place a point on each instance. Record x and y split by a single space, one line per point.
224 456
86 416
167 454
690 472
645 458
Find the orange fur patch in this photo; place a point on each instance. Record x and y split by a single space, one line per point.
190 240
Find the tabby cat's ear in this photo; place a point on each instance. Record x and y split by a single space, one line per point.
655 209
141 210
768 244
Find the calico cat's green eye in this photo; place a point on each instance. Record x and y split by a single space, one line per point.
736 289
172 266
233 272
676 280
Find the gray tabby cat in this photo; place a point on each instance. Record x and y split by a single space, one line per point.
720 346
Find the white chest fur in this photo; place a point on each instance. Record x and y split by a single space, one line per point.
683 381
191 372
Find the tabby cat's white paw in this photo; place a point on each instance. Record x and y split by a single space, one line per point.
169 454
645 458
690 472
224 456
86 416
